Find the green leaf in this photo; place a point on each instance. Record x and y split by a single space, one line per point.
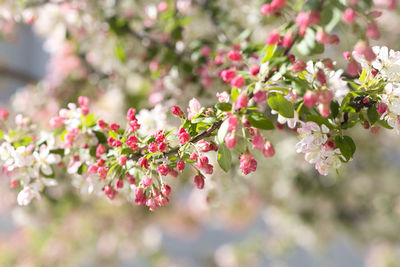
120 52
384 124
346 146
344 107
363 75
58 151
331 16
1 134
223 130
113 134
88 120
224 157
224 106
279 103
259 121
334 108
372 114
269 53
115 171
101 137
234 94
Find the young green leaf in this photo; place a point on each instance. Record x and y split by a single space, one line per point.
223 130
279 103
224 157
346 146
259 121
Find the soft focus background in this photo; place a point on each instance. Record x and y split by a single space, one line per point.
283 215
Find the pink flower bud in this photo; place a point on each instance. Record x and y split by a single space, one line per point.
231 140
324 109
130 179
176 111
273 38
119 183
199 181
362 48
233 123
375 129
254 70
241 101
4 114
122 160
180 165
347 55
143 162
234 55
183 136
325 96
353 68
162 6
162 146
100 150
114 127
349 15
303 19
278 4
382 108
102 124
238 81
131 114
205 51
288 40
83 101
228 75
310 99
260 96
163 169
152 147
321 77
92 169
147 181
165 190
266 9
315 17
56 121
247 163
373 31
268 150
298 66
258 142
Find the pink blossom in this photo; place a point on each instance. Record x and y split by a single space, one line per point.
162 6
325 96
205 51
102 124
131 114
241 101
287 40
132 142
362 48
347 55
223 97
203 165
303 20
165 190
119 183
315 17
247 163
92 169
231 139
102 172
194 108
